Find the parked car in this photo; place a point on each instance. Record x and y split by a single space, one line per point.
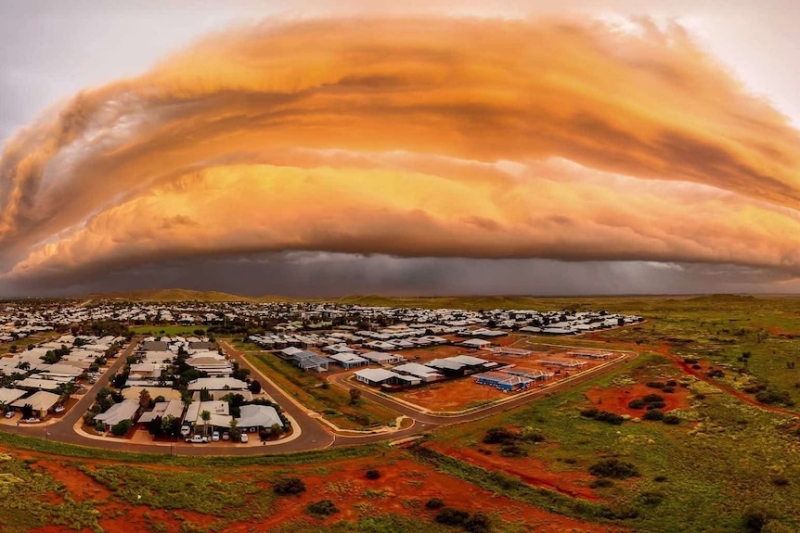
59 409
185 430
215 436
243 439
226 436
9 414
31 420
197 439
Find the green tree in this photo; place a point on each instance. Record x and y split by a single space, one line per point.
206 416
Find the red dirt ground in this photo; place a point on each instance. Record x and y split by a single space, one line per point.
528 469
451 395
403 488
616 399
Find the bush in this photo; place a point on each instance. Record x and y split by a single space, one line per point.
289 486
668 390
654 414
121 428
601 483
653 398
512 450
672 420
655 385
781 481
434 503
500 436
590 412
529 435
478 523
452 517
657 405
773 396
613 468
636 404
322 508
651 498
755 518
609 418
373 474
660 479
672 383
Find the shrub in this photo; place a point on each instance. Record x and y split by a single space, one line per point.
121 428
755 518
773 396
636 404
373 474
512 450
657 405
651 498
529 435
434 503
500 436
660 479
668 390
289 486
590 412
672 420
717 373
613 468
452 517
609 418
781 481
322 508
653 398
655 385
672 383
654 414
478 523
601 483
697 367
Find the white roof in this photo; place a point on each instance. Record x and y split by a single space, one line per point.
347 358
40 401
416 369
258 415
163 409
225 383
33 383
125 410
8 396
376 374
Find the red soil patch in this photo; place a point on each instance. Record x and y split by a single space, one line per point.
80 486
616 399
452 395
528 469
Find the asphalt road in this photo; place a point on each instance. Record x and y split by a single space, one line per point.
314 434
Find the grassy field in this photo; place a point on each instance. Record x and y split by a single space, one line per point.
697 476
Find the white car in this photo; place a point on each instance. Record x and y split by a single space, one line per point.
185 430
197 439
215 436
59 409
9 414
32 420
243 439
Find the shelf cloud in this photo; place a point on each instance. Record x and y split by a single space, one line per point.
556 139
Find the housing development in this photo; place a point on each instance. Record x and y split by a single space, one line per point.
79 361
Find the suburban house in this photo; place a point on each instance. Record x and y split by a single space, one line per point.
380 376
383 358
257 417
42 403
590 355
38 384
218 409
9 396
141 371
172 408
310 361
476 344
424 373
125 410
217 383
348 360
557 362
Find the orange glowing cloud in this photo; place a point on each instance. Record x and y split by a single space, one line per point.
413 137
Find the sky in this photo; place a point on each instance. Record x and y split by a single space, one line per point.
327 148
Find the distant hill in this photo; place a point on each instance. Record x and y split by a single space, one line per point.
181 295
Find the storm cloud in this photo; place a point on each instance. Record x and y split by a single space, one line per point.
555 139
